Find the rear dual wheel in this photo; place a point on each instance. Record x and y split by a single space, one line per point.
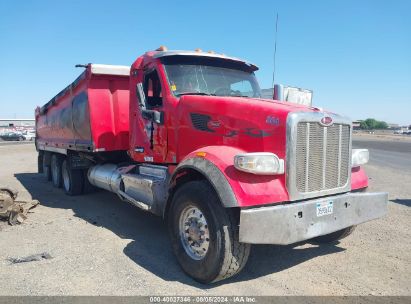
55 167
73 180
46 167
40 157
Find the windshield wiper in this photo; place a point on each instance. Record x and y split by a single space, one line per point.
195 93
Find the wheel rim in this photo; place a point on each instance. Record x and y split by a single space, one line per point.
65 175
194 233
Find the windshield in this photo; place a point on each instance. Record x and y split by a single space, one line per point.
200 79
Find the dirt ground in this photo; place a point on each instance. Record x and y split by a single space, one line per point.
102 246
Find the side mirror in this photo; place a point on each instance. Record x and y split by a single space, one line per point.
293 94
153 115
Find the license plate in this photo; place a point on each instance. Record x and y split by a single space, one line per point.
324 208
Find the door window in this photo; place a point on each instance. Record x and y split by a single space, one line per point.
152 90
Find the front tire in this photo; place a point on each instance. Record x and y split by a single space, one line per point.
72 179
204 235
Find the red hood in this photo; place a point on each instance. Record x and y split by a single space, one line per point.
250 124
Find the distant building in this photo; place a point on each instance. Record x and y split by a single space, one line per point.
16 122
394 126
356 124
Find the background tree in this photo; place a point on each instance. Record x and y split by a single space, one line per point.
381 125
371 123
363 125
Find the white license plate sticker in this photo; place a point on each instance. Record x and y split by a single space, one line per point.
324 208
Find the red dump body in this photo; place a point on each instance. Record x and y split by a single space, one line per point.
91 114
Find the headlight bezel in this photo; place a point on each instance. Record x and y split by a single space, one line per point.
241 161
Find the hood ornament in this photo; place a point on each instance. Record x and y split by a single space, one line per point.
326 121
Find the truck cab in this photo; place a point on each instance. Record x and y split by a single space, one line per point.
170 84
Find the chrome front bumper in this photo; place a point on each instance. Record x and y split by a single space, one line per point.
294 222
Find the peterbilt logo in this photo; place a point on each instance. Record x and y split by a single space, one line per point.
326 121
214 124
272 120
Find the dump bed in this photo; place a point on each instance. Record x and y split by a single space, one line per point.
91 114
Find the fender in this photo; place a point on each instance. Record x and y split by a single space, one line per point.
235 188
214 176
359 178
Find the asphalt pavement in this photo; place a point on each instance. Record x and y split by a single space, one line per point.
389 154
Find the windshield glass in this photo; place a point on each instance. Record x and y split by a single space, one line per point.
200 79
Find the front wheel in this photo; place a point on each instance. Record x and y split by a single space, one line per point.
204 235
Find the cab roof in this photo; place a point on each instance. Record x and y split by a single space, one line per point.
161 54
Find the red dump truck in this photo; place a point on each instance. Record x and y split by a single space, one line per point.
186 135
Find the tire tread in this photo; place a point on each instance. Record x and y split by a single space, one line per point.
234 255
236 258
76 180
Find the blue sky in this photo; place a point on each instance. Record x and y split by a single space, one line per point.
355 55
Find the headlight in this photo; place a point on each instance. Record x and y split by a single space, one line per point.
359 157
259 163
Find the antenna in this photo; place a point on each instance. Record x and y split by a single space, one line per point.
275 49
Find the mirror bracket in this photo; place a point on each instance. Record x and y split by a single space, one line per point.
153 115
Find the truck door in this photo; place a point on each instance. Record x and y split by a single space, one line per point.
150 144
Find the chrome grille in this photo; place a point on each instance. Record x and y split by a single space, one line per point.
322 156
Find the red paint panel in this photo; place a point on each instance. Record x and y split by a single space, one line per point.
103 115
109 112
249 189
231 121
